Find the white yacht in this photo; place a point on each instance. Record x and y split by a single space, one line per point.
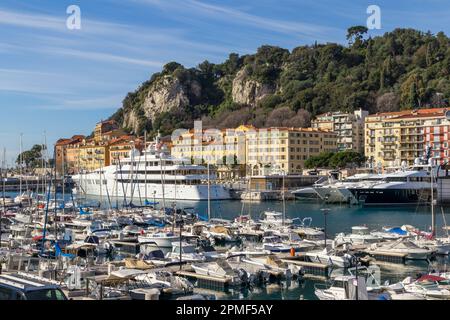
403 185
156 174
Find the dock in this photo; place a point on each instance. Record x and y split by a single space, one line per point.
311 270
386 256
207 281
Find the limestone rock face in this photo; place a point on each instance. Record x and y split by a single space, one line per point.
165 95
249 91
131 121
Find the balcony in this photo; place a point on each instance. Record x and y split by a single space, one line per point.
412 133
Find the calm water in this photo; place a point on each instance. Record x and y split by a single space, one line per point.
340 219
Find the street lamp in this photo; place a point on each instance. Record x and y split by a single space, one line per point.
325 212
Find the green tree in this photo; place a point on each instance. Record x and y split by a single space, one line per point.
31 158
355 35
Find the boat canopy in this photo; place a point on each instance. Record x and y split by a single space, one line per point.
397 230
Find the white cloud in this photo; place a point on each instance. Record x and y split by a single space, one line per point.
235 16
108 102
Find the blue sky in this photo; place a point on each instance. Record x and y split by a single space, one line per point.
64 81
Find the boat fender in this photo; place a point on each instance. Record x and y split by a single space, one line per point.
292 251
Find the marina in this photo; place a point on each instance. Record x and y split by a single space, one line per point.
256 156
120 248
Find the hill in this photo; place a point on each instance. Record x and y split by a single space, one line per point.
403 69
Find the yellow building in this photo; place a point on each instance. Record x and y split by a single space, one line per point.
86 154
224 149
120 148
64 157
394 138
285 150
93 156
348 126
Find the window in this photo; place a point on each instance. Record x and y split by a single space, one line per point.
46 294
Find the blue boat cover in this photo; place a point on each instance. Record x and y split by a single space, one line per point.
397 231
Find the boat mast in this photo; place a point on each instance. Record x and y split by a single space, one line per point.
63 180
117 182
145 167
45 163
284 202
101 183
162 181
20 165
433 217
209 194
3 175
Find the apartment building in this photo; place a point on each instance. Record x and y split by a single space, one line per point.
107 145
120 148
349 128
64 158
224 149
394 138
436 139
285 150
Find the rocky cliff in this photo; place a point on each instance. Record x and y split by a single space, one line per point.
402 69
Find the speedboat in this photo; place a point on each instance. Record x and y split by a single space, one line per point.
161 239
330 257
403 246
348 288
428 286
188 253
359 235
389 233
274 244
221 269
274 219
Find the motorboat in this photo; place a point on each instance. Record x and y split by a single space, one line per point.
391 233
274 219
161 239
428 286
348 288
359 235
402 246
330 257
221 269
187 251
221 234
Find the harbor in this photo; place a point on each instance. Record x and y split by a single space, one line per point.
109 260
257 157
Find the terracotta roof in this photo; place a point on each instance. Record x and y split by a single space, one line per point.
410 113
420 115
75 139
122 140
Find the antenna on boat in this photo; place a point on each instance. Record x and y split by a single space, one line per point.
209 193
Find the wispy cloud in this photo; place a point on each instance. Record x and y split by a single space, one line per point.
103 57
240 17
107 102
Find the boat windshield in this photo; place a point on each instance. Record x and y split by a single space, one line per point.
45 294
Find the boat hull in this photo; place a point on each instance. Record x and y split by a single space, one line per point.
87 185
